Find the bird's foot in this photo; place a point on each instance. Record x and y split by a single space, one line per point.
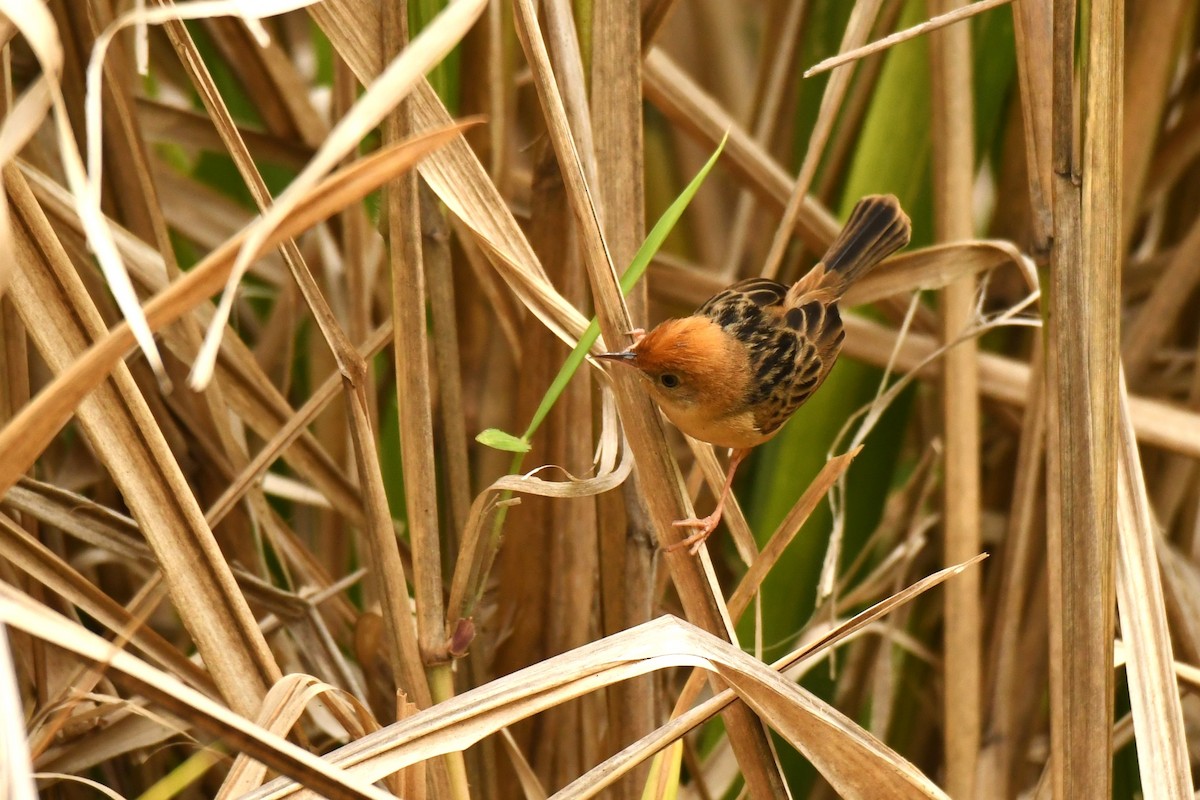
704 528
637 334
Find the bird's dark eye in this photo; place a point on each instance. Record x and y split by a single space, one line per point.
668 380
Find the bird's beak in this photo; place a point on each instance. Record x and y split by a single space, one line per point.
625 356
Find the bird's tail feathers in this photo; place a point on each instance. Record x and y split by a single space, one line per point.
877 228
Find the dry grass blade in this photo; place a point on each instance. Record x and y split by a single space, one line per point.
25 115
924 269
28 433
461 182
17 780
22 614
761 566
1155 422
1160 312
788 529
775 81
530 784
38 561
938 266
381 97
602 775
85 520
98 787
940 21
446 357
282 709
244 385
859 765
854 763
119 425
663 781
1153 693
38 26
83 683
163 122
288 432
427 644
477 552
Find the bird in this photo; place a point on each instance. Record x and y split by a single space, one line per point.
735 371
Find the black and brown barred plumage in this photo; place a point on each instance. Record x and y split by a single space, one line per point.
732 373
794 336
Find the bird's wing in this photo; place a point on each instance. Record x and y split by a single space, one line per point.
761 292
790 349
792 358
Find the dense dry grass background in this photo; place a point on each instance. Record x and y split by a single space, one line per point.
249 544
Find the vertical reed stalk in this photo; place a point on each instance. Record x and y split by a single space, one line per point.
413 397
616 106
953 187
1083 317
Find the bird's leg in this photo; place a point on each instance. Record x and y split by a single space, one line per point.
704 527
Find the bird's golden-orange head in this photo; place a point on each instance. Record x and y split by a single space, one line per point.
699 375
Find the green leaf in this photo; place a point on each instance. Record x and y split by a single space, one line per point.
637 268
500 440
658 234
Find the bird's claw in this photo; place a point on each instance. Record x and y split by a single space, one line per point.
704 528
637 334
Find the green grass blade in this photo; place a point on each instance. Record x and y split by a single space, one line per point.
634 273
